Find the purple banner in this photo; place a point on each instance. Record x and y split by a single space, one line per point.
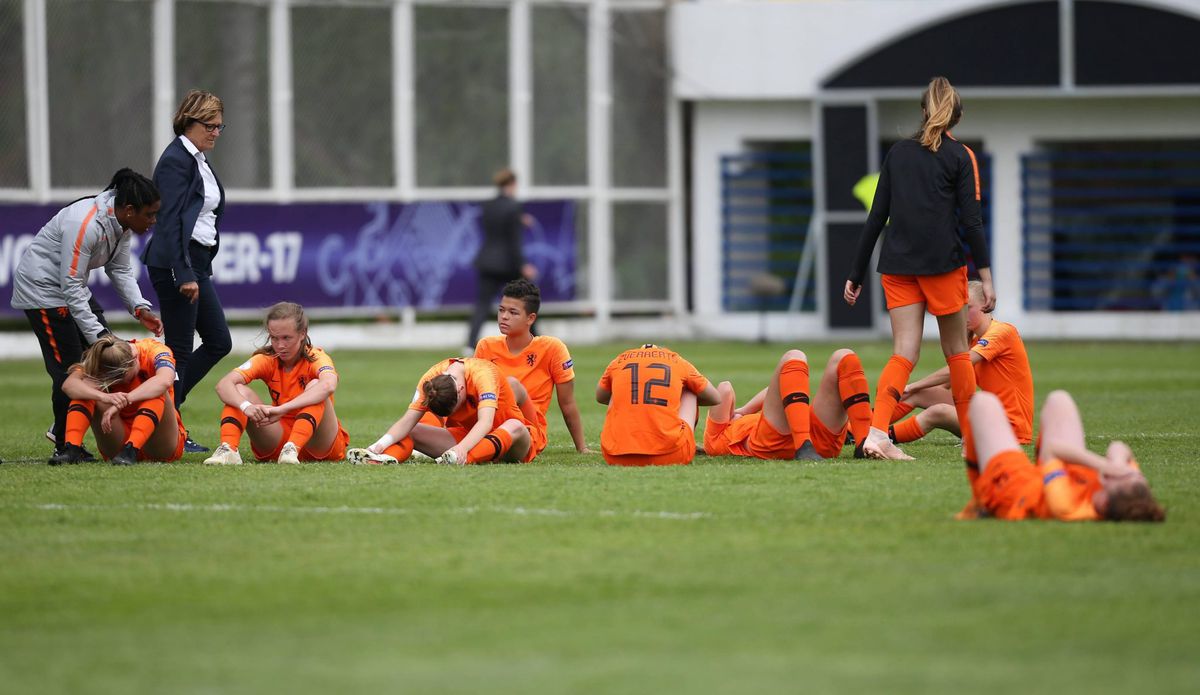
338 255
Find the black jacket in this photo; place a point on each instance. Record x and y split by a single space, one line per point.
177 176
922 197
500 253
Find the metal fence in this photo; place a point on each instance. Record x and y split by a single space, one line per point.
1112 227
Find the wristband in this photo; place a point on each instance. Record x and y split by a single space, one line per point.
244 405
385 441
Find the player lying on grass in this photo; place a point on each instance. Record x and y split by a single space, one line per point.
1068 483
125 391
483 420
541 363
1001 367
653 397
779 423
300 424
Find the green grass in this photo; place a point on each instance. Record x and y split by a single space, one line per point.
560 576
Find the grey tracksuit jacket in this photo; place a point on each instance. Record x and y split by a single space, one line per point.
53 271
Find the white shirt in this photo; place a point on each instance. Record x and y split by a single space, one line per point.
205 231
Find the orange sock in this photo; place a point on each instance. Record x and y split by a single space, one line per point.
901 410
149 412
907 431
233 423
852 387
493 445
793 388
890 388
401 449
962 387
79 416
306 424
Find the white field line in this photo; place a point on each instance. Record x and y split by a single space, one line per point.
378 511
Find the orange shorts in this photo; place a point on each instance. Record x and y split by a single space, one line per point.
941 294
750 435
683 452
1010 487
827 442
336 452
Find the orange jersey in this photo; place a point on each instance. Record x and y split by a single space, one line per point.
284 385
542 365
646 384
1005 372
1012 488
486 387
151 355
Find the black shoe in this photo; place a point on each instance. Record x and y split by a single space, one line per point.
191 447
127 456
70 453
807 452
858 452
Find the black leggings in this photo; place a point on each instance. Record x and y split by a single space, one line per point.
62 345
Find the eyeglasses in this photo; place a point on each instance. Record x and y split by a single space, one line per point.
212 127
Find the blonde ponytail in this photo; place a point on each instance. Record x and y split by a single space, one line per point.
107 361
942 109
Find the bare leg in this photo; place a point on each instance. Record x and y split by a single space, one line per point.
109 443
432 441
941 416
164 441
908 326
262 437
528 409
688 408
520 440
952 329
723 411
993 434
1061 423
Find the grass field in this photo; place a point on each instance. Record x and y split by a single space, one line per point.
569 576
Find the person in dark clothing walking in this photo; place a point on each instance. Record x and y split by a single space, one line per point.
179 256
929 184
500 258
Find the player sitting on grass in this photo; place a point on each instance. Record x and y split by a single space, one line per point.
778 423
652 395
125 391
483 420
1068 483
541 363
1001 367
300 424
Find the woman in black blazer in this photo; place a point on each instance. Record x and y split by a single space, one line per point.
179 255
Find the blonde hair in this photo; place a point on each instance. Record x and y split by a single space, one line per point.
107 361
975 290
942 108
197 106
287 310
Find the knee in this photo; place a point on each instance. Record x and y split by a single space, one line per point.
942 413
840 354
793 356
983 404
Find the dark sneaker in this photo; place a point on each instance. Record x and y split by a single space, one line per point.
70 453
191 447
127 456
807 452
858 451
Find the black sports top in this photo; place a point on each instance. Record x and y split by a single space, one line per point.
925 194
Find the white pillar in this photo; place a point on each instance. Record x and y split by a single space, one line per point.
282 139
163 23
520 90
37 101
599 155
404 122
1008 270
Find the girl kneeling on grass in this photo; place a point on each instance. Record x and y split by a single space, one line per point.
125 391
300 424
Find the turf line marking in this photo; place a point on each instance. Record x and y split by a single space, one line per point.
383 511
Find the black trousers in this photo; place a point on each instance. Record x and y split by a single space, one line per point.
62 345
182 320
